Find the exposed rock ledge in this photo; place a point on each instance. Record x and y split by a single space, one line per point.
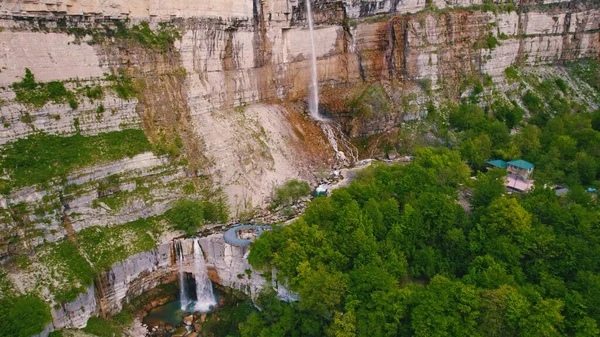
128 279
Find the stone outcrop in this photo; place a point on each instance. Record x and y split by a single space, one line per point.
134 276
227 266
230 265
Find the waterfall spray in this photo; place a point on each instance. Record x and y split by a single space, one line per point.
205 297
313 99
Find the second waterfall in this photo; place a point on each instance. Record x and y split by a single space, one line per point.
205 297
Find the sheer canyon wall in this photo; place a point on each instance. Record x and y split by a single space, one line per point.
220 88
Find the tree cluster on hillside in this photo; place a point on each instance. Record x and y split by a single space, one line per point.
564 147
394 254
546 122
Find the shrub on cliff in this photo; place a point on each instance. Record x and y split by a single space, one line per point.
30 92
23 316
189 215
290 191
98 326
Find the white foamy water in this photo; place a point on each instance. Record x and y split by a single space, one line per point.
205 297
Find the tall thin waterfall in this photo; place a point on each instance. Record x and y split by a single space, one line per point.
183 298
313 99
205 297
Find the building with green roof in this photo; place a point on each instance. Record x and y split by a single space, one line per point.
520 168
519 172
498 163
522 164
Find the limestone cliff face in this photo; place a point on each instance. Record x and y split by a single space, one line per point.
80 206
229 267
236 53
230 87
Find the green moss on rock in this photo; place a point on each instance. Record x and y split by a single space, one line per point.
42 158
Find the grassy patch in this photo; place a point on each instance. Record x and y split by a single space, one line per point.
66 265
123 85
23 316
370 101
105 246
100 327
94 92
41 158
488 41
6 286
30 92
161 39
512 74
113 327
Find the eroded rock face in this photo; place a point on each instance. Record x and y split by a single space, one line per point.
231 265
134 276
83 208
236 53
227 266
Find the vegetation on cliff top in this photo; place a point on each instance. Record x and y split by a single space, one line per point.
107 246
161 39
28 91
188 215
395 255
23 316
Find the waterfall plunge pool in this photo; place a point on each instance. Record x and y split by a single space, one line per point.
173 312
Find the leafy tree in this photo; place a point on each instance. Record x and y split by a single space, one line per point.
343 325
290 191
446 308
189 215
596 121
586 168
488 187
331 287
505 216
477 151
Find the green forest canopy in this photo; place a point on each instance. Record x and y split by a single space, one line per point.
394 254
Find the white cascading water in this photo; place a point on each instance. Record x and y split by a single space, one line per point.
183 298
313 99
339 155
205 297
